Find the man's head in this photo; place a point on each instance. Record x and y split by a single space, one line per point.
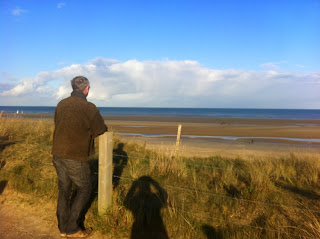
81 84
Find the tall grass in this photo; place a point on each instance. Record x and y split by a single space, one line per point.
212 197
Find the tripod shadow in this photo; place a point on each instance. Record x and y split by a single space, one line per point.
120 160
145 200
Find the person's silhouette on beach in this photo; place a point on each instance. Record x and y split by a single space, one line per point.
145 200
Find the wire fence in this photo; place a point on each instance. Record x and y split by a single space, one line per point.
197 165
228 197
196 214
237 198
199 214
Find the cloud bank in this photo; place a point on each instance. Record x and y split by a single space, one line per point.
168 84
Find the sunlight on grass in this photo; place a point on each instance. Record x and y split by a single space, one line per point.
209 197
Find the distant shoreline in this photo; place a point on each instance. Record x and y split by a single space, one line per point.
253 136
206 126
236 113
184 119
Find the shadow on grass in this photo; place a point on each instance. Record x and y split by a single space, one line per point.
232 191
94 167
120 160
3 185
4 144
261 223
302 192
2 164
210 232
145 200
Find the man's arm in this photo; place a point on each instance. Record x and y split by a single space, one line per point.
98 126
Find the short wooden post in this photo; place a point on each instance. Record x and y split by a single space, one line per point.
105 172
178 137
1 113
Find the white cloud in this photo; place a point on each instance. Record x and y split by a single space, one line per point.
174 84
25 86
18 11
63 91
5 86
61 5
45 90
272 65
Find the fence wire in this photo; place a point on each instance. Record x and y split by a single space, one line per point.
195 165
228 197
200 213
231 221
205 192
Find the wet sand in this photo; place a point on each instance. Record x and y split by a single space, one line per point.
308 129
305 129
149 126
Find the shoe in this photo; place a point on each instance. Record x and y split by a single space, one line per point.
63 234
81 233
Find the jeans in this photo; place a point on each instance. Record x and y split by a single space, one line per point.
68 213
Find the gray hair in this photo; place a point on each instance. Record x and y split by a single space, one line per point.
79 83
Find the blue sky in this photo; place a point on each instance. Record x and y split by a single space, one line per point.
175 53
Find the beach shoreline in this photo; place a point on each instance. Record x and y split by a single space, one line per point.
207 126
261 136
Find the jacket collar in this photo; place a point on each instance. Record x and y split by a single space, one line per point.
79 95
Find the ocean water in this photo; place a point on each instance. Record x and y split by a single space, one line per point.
313 114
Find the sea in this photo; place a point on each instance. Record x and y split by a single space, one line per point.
308 114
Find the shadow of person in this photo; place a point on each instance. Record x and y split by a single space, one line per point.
120 160
145 200
210 232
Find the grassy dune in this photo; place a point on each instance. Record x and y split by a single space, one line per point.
213 197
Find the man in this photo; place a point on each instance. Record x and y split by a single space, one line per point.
77 123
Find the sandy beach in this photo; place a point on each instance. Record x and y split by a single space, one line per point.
160 133
231 136
308 129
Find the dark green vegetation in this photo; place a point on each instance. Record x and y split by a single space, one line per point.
275 197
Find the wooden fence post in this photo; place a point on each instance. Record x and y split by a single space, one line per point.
178 137
105 172
1 113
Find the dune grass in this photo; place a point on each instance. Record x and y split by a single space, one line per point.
213 197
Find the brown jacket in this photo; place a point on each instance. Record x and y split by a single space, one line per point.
77 123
